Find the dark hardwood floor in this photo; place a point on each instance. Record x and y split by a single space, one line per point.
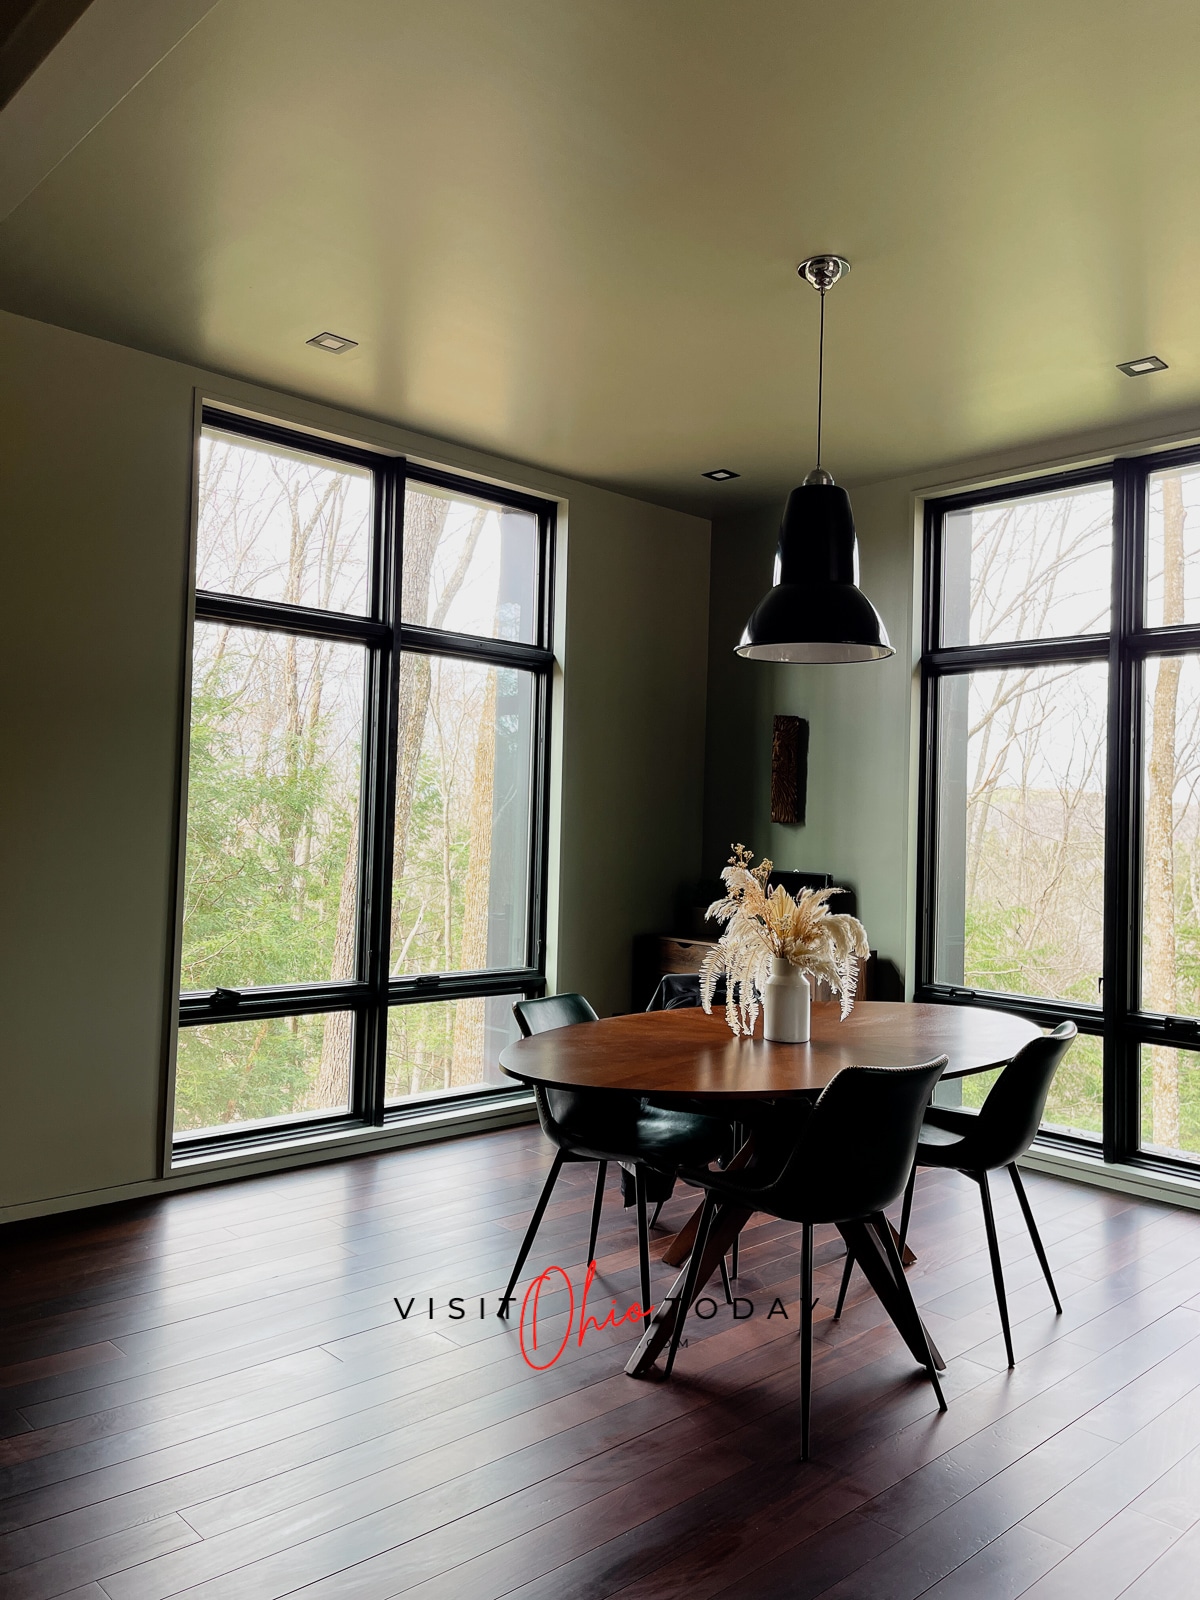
214 1395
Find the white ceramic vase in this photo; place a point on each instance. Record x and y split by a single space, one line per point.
786 1004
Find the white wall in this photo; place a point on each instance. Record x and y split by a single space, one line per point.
96 446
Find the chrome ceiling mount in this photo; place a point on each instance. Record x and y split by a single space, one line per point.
823 271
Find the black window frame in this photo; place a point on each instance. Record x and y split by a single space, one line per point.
373 993
1118 1018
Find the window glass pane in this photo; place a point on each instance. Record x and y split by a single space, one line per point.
277 524
273 803
463 816
470 566
1170 1101
1173 548
1020 849
1076 1100
1170 830
1036 568
237 1072
437 1047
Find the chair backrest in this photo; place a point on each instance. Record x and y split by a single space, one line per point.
1012 1113
857 1147
562 1112
552 1011
677 991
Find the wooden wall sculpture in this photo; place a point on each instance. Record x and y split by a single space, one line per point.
789 769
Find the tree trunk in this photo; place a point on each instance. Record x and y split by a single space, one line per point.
332 1089
469 1014
1160 982
424 522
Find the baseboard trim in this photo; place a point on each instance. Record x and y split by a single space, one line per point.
1139 1181
439 1123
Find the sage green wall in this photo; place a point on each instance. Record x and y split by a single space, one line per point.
96 446
859 732
862 766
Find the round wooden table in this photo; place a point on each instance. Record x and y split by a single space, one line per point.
688 1054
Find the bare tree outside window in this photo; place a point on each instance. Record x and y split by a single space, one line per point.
1022 764
1061 678
1171 813
277 776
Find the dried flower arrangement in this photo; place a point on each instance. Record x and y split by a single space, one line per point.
762 923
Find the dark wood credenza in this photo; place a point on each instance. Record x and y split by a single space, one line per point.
657 954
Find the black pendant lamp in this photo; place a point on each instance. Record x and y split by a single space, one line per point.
816 611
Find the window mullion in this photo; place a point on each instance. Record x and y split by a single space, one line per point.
1122 903
377 882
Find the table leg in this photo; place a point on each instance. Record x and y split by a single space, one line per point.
727 1224
680 1247
871 1257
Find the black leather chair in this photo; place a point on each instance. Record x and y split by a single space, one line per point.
604 1125
978 1142
680 991
852 1157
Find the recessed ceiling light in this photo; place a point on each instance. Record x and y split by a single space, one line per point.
1134 369
721 475
333 342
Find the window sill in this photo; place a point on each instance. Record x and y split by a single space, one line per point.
1144 1182
424 1123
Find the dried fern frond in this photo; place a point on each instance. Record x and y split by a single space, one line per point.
761 923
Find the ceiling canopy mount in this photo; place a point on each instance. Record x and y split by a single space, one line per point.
823 271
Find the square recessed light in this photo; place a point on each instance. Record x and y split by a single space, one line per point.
721 475
1135 369
333 342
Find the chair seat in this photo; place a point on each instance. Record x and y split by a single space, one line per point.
630 1130
947 1134
938 1147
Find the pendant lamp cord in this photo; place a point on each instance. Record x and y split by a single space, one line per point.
820 377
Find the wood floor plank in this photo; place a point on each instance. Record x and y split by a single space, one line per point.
1173 1576
22 1372
1104 1565
212 1394
69 1569
1002 1570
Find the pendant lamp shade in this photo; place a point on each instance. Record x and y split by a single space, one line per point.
815 611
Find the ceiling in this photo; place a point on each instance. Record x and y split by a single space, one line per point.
568 232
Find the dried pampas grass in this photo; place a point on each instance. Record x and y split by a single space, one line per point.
761 924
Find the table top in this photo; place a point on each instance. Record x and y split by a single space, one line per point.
687 1052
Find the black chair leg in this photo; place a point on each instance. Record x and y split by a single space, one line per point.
601 1173
535 1222
639 1179
1027 1211
725 1283
689 1283
989 1222
906 1209
847 1270
733 1256
884 1233
658 1207
806 1320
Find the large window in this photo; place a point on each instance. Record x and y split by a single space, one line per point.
366 783
1060 796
